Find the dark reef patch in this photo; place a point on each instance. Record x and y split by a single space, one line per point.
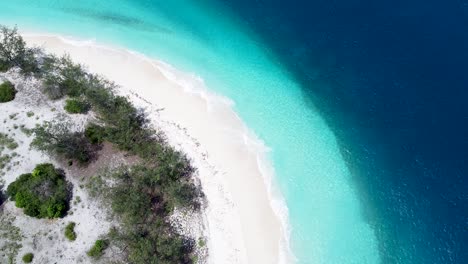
114 18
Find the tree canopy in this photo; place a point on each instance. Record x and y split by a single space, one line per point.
57 139
14 53
44 193
7 92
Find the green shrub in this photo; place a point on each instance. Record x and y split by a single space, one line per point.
44 193
96 134
98 248
201 242
28 257
7 92
70 231
74 106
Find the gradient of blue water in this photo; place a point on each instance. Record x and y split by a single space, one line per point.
371 69
390 77
325 213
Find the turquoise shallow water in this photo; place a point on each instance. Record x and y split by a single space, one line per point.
325 216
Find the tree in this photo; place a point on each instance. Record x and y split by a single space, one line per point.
63 77
7 92
57 139
44 193
12 48
28 257
14 53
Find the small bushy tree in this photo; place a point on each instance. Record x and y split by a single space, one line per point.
12 48
98 248
74 106
64 78
28 257
70 231
14 53
44 193
7 92
57 139
95 133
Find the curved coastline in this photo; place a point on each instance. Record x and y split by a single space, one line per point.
246 218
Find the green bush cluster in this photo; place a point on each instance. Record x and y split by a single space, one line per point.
7 92
28 257
98 248
44 193
74 106
70 231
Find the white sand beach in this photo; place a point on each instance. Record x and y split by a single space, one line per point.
240 221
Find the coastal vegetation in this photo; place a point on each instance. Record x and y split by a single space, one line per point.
97 250
141 197
12 48
57 139
14 53
28 257
95 133
70 231
74 106
62 77
7 92
44 193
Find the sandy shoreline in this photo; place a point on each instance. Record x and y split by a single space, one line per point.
240 221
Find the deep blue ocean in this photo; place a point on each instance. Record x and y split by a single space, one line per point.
391 79
364 105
